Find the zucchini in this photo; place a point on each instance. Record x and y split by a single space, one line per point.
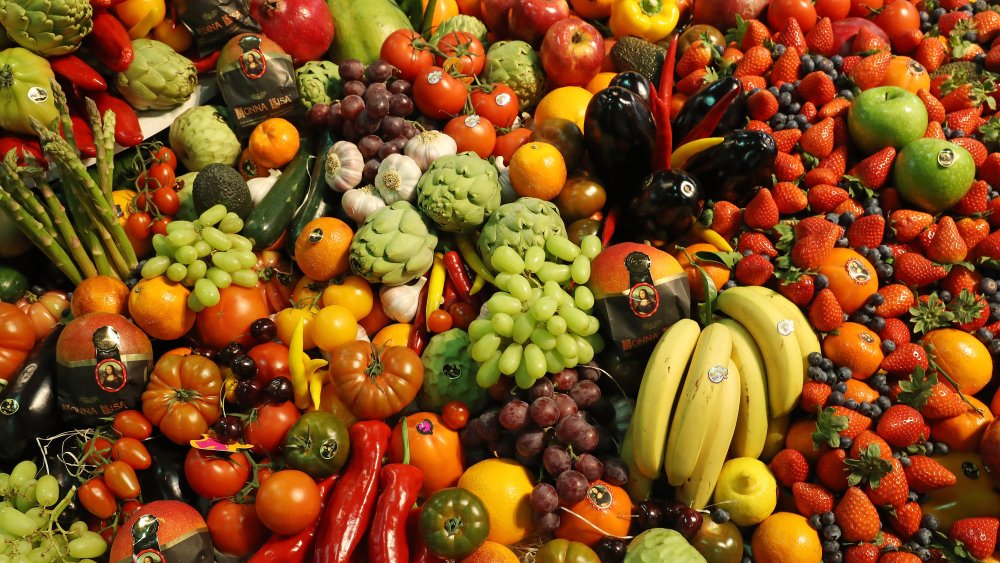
269 219
320 200
13 283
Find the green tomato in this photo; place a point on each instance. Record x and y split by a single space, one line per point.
317 444
454 523
25 91
565 551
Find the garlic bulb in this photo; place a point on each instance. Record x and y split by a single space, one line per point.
344 164
360 203
397 179
428 146
400 302
260 186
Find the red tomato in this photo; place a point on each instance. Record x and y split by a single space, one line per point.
455 414
166 156
128 509
267 431
97 450
45 310
465 47
802 10
213 475
271 359
864 8
167 200
230 318
498 103
139 225
288 502
121 479
97 498
438 94
141 202
399 51
133 424
132 452
160 226
898 18
462 315
155 177
439 321
235 528
510 142
833 9
472 133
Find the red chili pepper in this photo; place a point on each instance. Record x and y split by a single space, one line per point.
128 133
712 118
206 63
296 548
83 136
455 267
661 109
387 539
78 73
450 296
418 334
97 4
349 510
24 145
110 43
608 230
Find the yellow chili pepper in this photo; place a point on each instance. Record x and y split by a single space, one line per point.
316 381
651 20
477 285
301 367
435 285
471 256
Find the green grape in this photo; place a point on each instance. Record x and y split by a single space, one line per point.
179 226
5 488
213 215
543 339
216 238
221 279
489 371
38 515
4 558
593 326
231 223
576 320
480 328
534 360
194 304
503 303
47 490
247 259
202 248
534 257
185 255
562 248
22 473
590 245
505 259
61 543
485 347
580 270
553 361
583 350
77 528
524 325
226 261
552 289
155 266
162 245
536 292
583 298
245 278
196 271
565 300
556 325
206 291
500 281
596 342
503 324
197 225
566 345
522 378
89 544
42 554
571 362
511 358
15 523
543 308
240 243
182 237
27 500
550 271
519 287
177 272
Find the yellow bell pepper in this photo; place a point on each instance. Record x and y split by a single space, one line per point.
651 20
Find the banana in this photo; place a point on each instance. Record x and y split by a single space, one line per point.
774 334
689 430
664 372
776 429
712 237
808 341
697 490
638 486
683 153
751 424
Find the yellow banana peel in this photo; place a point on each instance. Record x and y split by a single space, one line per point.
683 153
712 237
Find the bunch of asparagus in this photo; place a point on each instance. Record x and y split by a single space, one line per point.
89 240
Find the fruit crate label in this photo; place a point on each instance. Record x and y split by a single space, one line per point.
256 83
214 22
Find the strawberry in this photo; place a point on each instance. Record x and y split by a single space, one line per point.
906 519
811 499
881 479
761 213
789 467
692 82
825 313
762 105
698 55
977 199
840 133
837 107
935 111
904 359
810 252
786 68
824 198
755 61
901 425
856 422
788 167
947 246
994 212
791 36
979 535
952 5
808 111
913 269
726 219
970 309
895 330
899 557
850 62
948 21
987 25
732 55
817 87
756 243
967 119
758 125
889 199
749 33
818 176
797 287
789 198
975 147
754 269
924 239
817 225
837 161
831 470
874 170
934 400
989 247
990 170
904 43
866 231
820 38
753 82
960 279
934 131
930 53
818 139
908 224
868 438
992 62
786 139
972 231
866 40
925 474
856 516
890 540
896 301
862 553
814 396
870 72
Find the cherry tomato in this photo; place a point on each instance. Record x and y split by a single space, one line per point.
510 142
166 156
581 197
462 314
132 452
455 414
833 9
498 103
156 176
439 321
864 8
139 225
133 424
271 359
128 509
97 450
97 498
438 94
399 51
214 475
167 200
898 18
121 479
141 201
159 226
288 502
235 528
264 470
267 431
472 133
465 47
802 10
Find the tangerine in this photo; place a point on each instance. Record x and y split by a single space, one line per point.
854 346
274 142
718 272
852 278
322 247
995 403
600 82
99 294
964 432
860 391
504 486
308 293
159 307
491 552
799 438
605 507
961 357
538 170
907 74
785 537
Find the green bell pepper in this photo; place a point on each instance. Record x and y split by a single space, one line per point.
454 523
317 444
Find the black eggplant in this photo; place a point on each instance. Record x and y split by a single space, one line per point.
697 106
28 406
637 83
164 480
669 203
620 135
733 169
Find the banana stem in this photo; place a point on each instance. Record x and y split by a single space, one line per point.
41 238
65 227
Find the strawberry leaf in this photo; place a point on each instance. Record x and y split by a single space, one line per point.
829 425
917 390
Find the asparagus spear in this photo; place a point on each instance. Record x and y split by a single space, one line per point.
65 227
59 98
87 235
104 167
42 239
20 192
105 240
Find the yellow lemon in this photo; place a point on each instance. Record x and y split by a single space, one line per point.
568 102
504 486
747 489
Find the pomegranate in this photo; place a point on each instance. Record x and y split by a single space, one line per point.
303 28
846 29
722 13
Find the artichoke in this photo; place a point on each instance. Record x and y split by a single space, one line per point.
520 225
393 246
201 136
319 83
517 65
461 22
47 27
158 78
458 192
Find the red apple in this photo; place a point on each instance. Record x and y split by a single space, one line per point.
722 13
496 14
572 52
530 19
989 449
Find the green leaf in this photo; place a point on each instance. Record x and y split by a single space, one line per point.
829 425
930 314
917 390
869 468
729 259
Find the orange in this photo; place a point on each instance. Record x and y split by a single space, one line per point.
854 346
995 403
600 82
907 74
592 9
605 507
568 102
964 432
860 391
852 278
786 538
443 9
538 170
159 307
322 247
718 272
274 142
961 356
99 294
491 552
799 438
393 335
504 486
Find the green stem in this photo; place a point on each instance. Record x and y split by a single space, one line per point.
87 235
21 193
42 239
65 228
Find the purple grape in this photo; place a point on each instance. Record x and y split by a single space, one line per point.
244 367
541 388
589 371
369 171
250 393
376 90
399 143
409 130
469 436
489 426
688 522
504 447
378 71
429 123
351 69
615 472
369 146
354 88
567 406
585 393
349 131
544 498
514 415
263 329
556 460
475 455
367 123
388 148
391 127
544 411
401 86
548 521
565 380
317 115
570 428
530 444
351 107
400 105
590 466
572 486
279 390
586 440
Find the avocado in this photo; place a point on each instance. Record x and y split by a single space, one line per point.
221 183
633 53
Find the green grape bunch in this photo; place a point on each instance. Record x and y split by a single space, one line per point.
540 320
29 521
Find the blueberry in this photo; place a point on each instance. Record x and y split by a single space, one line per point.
720 515
801 119
957 133
876 299
830 546
842 242
794 107
860 318
984 335
904 461
847 218
826 65
827 518
846 94
884 404
869 309
793 123
995 311
821 282
970 36
930 522
806 66
884 271
942 448
988 286
831 532
814 522
833 558
843 373
946 130
979 59
787 88
816 373
923 536
841 386
877 323
815 358
836 398
885 251
826 364
774 91
779 50
851 404
945 295
929 448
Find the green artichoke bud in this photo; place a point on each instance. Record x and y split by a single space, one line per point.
47 27
319 83
520 225
461 22
393 246
200 136
517 65
458 192
158 78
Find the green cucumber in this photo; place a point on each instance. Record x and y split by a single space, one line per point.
271 217
320 200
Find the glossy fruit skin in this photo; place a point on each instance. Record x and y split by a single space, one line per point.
18 337
620 134
465 47
45 310
97 498
317 444
212 475
132 424
271 359
719 543
132 452
443 508
182 397
698 105
743 159
434 447
121 479
267 432
236 530
32 385
373 392
635 82
667 206
565 136
565 551
398 50
802 10
288 501
230 318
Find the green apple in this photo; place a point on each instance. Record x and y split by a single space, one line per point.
886 116
933 174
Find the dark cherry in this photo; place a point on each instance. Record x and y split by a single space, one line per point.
263 330
228 429
226 355
244 367
688 522
279 390
611 550
250 393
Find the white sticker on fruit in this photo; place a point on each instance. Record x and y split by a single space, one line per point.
434 77
38 95
946 158
717 374
502 99
786 327
472 120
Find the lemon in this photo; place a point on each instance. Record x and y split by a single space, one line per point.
504 486
568 102
747 489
